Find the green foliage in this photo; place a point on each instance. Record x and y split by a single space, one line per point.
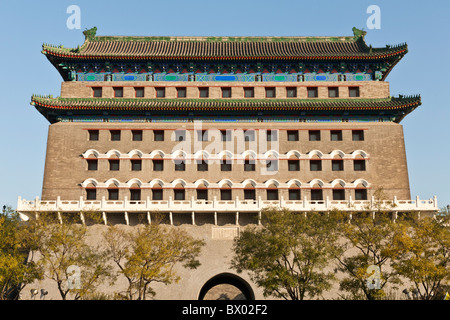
15 272
426 258
288 255
149 254
59 242
368 240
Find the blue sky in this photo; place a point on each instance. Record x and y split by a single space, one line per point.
425 70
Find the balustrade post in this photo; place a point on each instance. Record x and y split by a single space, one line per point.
126 218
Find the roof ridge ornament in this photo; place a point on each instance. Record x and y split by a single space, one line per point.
89 34
357 33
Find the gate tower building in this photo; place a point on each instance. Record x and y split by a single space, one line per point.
210 130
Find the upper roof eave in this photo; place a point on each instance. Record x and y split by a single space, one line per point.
142 103
200 48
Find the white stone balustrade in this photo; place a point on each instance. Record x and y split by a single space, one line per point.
237 205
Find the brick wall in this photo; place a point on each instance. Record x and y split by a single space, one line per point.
368 89
65 168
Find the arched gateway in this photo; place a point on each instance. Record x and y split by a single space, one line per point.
230 279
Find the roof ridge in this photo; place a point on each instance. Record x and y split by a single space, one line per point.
226 38
91 35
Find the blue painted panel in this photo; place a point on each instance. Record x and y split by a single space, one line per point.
225 78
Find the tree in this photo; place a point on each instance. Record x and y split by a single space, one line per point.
426 258
149 254
370 244
287 255
61 249
15 272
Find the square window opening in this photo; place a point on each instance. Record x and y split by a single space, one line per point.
93 135
291 92
294 194
91 194
161 92
292 135
316 195
249 92
314 135
97 92
114 165
92 164
226 92
313 92
358 135
204 92
118 92
336 135
293 165
353 92
158 165
136 135
136 165
359 165
270 93
181 92
338 194
337 165
157 194
315 165
139 92
333 92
